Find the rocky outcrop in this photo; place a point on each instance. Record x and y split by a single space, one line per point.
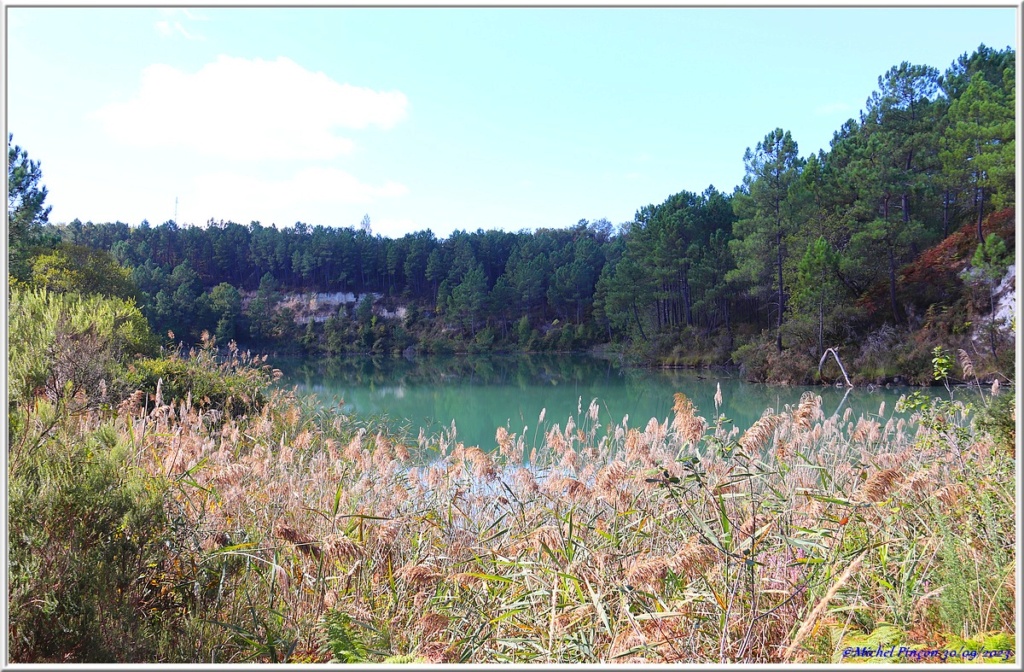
1006 298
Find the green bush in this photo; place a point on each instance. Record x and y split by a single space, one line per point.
891 354
77 268
484 338
761 362
754 359
997 420
85 538
975 558
68 345
236 385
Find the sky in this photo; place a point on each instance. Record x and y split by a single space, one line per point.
434 118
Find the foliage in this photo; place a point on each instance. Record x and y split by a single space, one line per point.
979 141
880 639
173 507
86 532
235 384
991 258
295 533
988 267
998 420
988 647
762 361
226 304
25 206
345 638
766 218
818 289
80 269
822 251
69 347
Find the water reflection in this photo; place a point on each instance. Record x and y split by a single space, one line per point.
481 393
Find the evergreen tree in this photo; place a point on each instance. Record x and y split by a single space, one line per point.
26 209
765 213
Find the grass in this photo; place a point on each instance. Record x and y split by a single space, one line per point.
285 531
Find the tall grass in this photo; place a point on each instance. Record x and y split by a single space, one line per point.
288 532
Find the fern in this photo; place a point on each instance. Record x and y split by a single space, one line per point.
882 637
343 640
1000 647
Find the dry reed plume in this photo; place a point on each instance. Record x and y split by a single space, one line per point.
812 617
631 545
760 433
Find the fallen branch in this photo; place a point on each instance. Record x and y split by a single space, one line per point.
836 355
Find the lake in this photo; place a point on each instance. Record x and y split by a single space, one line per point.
482 392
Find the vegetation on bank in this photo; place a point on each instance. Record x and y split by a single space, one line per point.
167 504
830 250
171 523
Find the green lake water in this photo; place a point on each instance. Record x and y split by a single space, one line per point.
480 393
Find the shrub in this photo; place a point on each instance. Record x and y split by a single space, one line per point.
85 538
753 359
998 421
77 268
67 345
235 385
761 361
891 354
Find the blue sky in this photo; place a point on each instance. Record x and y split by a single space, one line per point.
438 118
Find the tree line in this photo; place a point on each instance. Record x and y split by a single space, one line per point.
804 255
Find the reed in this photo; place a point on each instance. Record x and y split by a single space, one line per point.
296 534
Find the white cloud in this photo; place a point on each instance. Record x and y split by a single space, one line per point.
248 109
313 195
